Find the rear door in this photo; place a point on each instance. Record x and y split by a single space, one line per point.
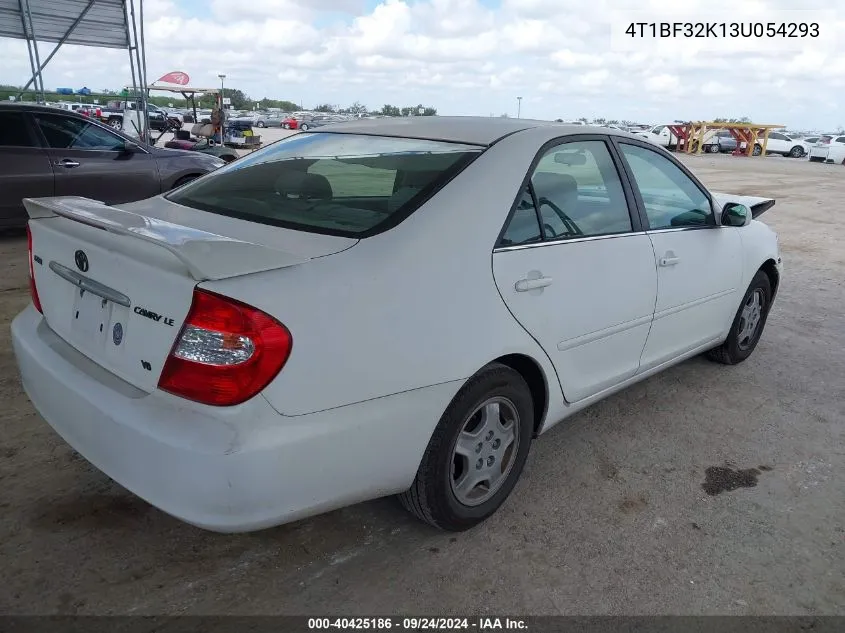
575 268
778 144
25 170
90 160
699 264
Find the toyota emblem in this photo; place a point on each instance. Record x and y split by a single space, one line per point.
81 260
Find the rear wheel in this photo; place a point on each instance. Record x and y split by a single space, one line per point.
796 152
116 123
303 127
477 452
260 124
714 149
757 150
748 323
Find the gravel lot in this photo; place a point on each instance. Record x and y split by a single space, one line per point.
610 516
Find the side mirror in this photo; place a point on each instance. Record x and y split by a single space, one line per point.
129 147
734 214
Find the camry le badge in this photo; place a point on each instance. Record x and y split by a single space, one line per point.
81 260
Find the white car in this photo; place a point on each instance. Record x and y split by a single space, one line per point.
386 307
661 135
786 145
821 150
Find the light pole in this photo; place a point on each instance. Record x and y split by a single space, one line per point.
222 77
518 106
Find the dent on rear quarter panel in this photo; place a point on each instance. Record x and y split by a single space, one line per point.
412 307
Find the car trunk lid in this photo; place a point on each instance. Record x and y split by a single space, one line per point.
117 285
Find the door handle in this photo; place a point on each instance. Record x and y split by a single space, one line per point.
67 162
524 285
669 260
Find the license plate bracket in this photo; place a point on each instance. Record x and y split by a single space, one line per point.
91 317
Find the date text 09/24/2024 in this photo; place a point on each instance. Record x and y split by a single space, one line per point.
788 30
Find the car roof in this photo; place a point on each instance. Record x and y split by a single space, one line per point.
473 130
36 107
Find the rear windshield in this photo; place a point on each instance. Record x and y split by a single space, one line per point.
339 184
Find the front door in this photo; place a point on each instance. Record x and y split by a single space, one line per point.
699 264
91 161
575 269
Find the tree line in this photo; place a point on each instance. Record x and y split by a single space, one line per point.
238 98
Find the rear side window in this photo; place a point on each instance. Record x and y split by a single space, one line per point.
14 131
841 139
339 184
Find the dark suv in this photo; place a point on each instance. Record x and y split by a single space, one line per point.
50 152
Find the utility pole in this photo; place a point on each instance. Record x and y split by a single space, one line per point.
518 106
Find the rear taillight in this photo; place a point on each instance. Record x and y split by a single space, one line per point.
226 352
33 291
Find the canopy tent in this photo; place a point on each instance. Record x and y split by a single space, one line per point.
98 23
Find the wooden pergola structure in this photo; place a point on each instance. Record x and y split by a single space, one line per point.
693 135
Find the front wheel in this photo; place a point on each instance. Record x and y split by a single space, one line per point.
304 127
748 323
117 124
757 150
714 149
260 124
476 453
286 126
796 152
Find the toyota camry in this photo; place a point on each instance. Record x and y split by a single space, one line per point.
380 307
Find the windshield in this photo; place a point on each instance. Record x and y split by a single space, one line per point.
338 184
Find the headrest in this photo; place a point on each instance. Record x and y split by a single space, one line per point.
300 184
549 183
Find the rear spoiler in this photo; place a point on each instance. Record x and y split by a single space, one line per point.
758 206
207 256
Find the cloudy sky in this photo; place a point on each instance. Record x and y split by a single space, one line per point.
477 56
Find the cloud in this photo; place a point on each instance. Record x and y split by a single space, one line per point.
472 57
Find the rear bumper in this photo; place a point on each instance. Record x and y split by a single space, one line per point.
230 469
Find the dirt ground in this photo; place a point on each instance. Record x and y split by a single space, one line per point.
616 513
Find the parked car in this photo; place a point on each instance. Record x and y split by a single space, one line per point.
187 368
786 145
49 152
721 141
661 135
121 115
820 150
263 119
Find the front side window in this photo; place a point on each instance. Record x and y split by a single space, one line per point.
670 197
71 133
338 184
778 137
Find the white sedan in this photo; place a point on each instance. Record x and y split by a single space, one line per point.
397 306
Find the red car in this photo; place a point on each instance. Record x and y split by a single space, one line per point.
292 123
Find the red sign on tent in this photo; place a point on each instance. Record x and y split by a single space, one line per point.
175 77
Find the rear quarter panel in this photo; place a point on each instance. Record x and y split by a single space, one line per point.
412 307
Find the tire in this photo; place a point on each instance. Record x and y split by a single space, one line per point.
116 124
435 496
228 158
796 152
259 124
740 343
714 149
757 150
286 126
304 127
816 159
